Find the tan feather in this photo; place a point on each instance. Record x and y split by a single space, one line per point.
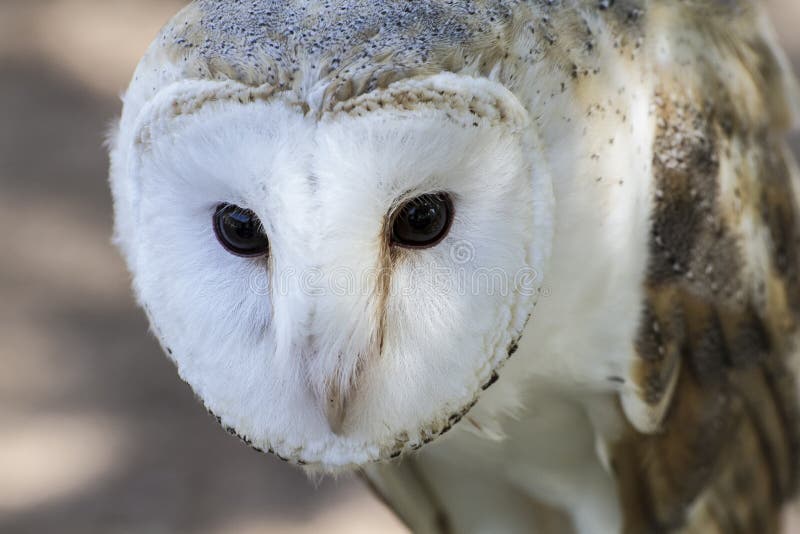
723 293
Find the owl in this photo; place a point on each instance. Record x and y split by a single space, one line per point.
524 265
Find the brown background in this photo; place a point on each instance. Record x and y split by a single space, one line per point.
97 434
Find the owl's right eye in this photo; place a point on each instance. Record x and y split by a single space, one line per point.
240 231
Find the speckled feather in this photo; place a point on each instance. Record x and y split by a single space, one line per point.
717 342
350 47
716 349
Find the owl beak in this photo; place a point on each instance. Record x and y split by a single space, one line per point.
334 402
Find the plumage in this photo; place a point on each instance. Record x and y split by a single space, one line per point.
620 164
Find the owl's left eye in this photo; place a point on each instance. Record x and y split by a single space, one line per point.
423 222
240 231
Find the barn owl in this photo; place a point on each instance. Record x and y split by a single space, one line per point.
527 266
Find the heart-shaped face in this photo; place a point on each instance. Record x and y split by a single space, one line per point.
339 287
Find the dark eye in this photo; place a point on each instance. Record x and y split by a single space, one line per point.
423 221
240 231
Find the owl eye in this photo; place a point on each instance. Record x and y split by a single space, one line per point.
423 222
240 231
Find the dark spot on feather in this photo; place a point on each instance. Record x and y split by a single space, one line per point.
513 348
494 378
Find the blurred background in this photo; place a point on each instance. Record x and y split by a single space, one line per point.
97 433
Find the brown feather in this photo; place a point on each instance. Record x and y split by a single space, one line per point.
722 291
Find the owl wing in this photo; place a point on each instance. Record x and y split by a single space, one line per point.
714 438
405 491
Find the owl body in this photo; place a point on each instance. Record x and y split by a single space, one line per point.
609 325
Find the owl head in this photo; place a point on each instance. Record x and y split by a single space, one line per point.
337 280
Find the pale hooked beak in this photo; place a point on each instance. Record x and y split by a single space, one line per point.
336 393
334 406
